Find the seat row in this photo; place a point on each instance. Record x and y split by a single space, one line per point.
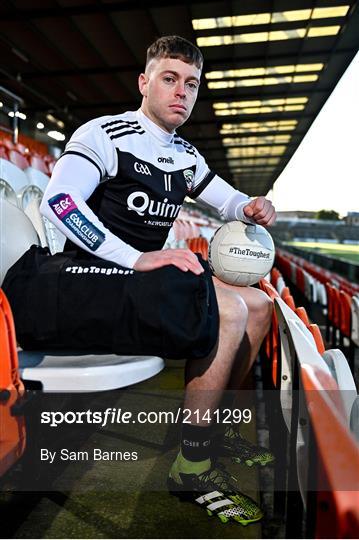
338 297
313 411
53 371
25 189
318 436
23 157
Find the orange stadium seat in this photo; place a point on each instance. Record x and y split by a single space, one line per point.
8 144
300 281
316 333
285 292
333 506
272 340
18 159
4 152
39 164
12 428
302 314
345 314
289 300
275 274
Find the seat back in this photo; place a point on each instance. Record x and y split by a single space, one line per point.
37 178
340 370
345 313
17 234
38 163
14 176
12 428
18 159
335 478
355 320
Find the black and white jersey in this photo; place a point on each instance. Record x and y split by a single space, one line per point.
142 176
145 176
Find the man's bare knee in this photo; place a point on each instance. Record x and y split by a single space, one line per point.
260 306
232 309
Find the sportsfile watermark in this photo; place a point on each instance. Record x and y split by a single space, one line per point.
127 441
119 416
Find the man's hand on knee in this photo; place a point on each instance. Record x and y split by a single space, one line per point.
184 259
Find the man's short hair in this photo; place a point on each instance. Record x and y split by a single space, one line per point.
175 47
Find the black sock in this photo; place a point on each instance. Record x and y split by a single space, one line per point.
196 442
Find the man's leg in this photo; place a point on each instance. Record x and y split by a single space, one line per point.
194 472
260 308
230 442
207 378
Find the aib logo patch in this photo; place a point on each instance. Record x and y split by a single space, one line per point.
62 204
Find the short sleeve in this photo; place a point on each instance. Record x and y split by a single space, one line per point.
203 176
92 142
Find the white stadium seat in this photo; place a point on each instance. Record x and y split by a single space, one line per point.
37 178
355 320
7 192
71 371
14 176
16 235
340 370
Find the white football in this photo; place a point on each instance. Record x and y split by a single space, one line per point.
240 253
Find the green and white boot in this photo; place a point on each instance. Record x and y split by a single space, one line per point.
242 451
212 488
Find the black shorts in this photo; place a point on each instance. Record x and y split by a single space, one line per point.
70 301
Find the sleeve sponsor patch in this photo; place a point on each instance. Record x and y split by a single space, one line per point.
66 210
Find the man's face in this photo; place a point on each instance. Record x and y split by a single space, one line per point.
169 89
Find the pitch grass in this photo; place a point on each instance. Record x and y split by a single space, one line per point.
349 252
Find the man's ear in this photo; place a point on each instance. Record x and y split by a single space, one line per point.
142 84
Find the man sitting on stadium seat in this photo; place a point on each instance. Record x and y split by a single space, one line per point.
115 193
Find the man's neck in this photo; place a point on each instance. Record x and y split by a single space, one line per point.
154 128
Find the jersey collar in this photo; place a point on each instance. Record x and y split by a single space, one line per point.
162 135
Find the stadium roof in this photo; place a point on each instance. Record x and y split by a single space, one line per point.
269 68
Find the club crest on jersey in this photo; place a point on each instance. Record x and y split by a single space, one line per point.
189 176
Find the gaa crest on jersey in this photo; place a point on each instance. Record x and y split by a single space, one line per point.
189 176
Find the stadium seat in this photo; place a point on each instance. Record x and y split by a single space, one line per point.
302 314
50 166
12 427
333 496
275 274
289 300
8 144
198 245
22 149
62 372
340 370
18 159
296 341
354 419
32 211
39 164
16 235
272 339
7 192
14 176
3 152
37 178
280 284
316 333
355 320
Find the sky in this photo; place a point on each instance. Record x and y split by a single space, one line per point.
324 171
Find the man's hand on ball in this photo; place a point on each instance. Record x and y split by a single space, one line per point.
261 211
184 259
